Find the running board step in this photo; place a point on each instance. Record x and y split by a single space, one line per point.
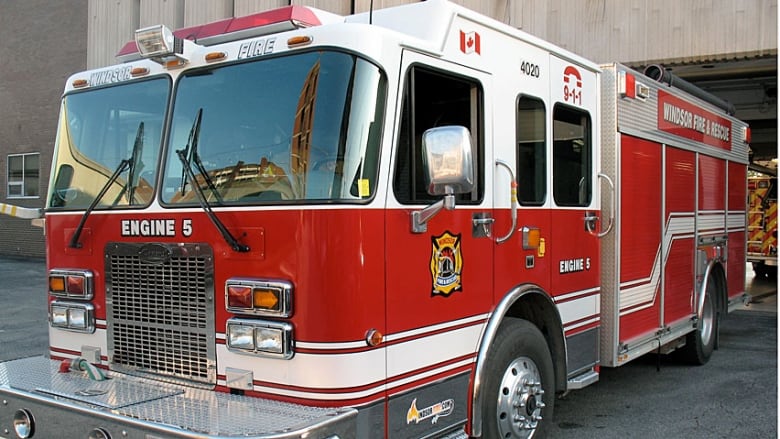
583 380
460 434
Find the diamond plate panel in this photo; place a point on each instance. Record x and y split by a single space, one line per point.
198 412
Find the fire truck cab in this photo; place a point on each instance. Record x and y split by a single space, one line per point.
414 222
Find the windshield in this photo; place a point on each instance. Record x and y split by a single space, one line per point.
301 127
105 130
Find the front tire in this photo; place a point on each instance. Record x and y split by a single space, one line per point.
519 393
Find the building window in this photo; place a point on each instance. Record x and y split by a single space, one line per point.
24 175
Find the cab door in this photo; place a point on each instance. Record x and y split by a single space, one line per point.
576 216
439 279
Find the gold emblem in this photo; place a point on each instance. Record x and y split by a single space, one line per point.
446 263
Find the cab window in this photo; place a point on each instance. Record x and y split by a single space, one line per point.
571 156
431 99
531 152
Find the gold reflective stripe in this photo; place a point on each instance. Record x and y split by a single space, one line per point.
20 212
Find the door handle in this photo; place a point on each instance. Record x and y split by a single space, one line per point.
591 218
508 168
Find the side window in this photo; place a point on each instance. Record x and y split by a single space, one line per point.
531 152
571 156
433 99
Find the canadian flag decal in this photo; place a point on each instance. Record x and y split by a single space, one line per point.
469 42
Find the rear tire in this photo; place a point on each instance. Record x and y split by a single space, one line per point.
763 270
701 342
519 395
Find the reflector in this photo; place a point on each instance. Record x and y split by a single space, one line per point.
531 238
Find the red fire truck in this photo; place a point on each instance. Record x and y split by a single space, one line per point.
415 222
762 225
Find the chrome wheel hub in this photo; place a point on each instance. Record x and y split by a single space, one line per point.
520 399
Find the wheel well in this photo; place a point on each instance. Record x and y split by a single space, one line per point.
537 308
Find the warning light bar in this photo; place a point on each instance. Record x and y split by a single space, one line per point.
231 29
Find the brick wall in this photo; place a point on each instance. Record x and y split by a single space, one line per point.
43 43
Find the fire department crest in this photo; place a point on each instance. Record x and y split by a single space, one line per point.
446 263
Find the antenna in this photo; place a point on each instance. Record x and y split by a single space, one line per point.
371 12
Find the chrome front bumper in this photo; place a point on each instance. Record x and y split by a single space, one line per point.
71 405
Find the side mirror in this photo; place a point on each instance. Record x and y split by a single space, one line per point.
447 162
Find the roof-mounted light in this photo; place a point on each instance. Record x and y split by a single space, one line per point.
231 29
161 45
629 87
299 40
154 41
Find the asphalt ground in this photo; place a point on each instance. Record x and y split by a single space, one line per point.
656 396
735 395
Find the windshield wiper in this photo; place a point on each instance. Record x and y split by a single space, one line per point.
192 156
74 241
185 155
135 167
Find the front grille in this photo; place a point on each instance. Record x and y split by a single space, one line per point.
160 310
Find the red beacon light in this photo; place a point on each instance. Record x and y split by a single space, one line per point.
629 87
161 43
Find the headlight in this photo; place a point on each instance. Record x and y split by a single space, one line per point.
271 298
273 339
71 283
77 318
73 316
269 340
98 433
59 316
241 337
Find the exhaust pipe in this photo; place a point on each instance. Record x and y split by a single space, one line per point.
658 73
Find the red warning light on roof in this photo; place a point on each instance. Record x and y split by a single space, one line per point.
231 29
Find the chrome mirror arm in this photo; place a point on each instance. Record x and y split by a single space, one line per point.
421 217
